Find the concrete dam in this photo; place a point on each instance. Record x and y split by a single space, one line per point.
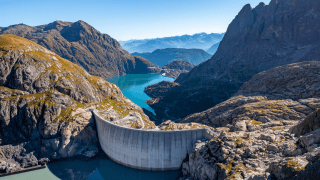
147 149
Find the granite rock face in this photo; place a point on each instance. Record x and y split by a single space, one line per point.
44 101
260 38
270 129
97 53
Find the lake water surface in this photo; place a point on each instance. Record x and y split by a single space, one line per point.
132 86
101 167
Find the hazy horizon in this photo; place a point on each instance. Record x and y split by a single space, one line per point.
125 20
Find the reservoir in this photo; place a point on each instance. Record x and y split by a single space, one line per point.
132 86
101 167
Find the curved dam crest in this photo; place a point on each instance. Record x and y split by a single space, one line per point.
147 149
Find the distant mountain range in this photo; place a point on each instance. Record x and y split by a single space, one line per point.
162 57
260 38
199 41
213 49
98 53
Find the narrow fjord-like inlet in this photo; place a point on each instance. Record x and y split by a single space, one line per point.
132 86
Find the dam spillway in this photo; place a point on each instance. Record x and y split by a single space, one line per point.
147 149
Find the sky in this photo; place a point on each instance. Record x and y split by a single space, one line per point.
129 19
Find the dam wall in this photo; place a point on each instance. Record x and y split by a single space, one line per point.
147 149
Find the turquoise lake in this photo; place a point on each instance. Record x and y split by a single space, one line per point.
101 167
132 86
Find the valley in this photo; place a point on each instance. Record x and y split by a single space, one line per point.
244 104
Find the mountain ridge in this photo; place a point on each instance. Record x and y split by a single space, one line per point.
199 41
44 106
162 57
258 39
82 44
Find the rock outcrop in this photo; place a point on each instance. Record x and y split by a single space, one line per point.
163 57
176 67
260 38
44 101
80 43
270 128
179 65
160 89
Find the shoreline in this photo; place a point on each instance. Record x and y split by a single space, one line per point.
24 170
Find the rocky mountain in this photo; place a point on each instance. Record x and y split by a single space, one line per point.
213 49
283 32
199 41
179 65
270 129
98 53
162 57
44 102
260 38
175 68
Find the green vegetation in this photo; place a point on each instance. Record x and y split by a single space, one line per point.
277 128
9 41
254 122
294 165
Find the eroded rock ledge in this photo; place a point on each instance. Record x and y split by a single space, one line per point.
270 129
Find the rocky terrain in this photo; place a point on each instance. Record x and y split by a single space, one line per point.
195 98
176 67
260 38
97 53
269 129
163 57
199 41
44 106
179 65
160 89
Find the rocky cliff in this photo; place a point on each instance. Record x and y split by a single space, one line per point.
163 57
44 101
98 53
260 38
270 129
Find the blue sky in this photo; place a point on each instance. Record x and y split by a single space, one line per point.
129 19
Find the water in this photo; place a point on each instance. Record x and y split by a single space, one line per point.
101 167
132 86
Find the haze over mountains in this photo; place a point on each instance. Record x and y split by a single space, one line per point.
199 41
162 57
82 44
213 49
258 39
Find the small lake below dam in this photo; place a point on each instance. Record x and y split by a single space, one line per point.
102 167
